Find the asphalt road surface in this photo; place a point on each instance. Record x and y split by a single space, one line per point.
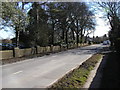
43 71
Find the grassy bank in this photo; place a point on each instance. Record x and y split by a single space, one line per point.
78 77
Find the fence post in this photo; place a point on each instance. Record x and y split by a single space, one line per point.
36 49
16 52
51 48
13 51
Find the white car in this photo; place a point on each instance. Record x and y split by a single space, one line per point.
107 42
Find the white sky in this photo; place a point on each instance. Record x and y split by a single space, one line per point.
7 34
102 26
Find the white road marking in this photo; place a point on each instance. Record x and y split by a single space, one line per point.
17 72
53 60
53 56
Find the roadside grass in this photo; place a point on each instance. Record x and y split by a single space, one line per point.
77 78
111 71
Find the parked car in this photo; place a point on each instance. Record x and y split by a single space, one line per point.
0 46
10 46
21 46
7 46
107 42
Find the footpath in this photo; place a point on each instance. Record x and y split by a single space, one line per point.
106 73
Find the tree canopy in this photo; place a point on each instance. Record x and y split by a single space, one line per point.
49 23
113 14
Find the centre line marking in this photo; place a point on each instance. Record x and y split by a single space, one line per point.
17 72
53 56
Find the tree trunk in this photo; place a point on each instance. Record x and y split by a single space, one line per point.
86 37
77 39
66 39
63 32
81 34
63 35
17 38
77 34
37 25
53 26
73 35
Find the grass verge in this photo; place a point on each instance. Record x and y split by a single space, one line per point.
78 77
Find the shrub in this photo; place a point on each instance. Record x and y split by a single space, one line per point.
117 44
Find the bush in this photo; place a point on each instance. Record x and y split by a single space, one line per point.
117 44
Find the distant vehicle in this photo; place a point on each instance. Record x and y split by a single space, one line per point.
0 46
9 46
107 42
6 46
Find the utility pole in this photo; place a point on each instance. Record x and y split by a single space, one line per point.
93 35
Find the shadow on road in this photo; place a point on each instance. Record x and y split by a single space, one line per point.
85 51
108 73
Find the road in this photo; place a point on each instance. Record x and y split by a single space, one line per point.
43 71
